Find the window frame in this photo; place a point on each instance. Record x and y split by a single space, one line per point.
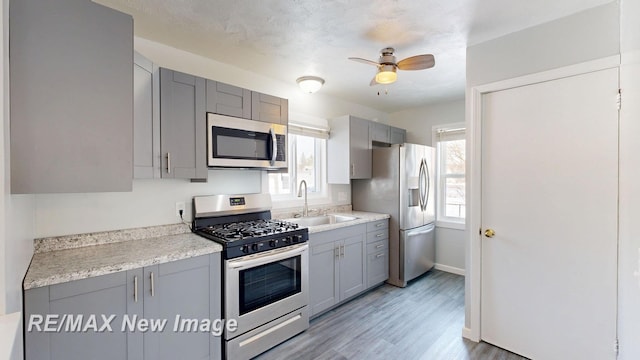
441 219
291 198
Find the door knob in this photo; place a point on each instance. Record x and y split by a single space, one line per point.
489 233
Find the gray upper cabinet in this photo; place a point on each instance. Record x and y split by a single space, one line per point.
183 119
386 134
269 108
379 132
397 135
190 288
228 100
146 118
71 92
348 150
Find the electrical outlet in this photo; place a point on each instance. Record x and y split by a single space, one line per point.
180 207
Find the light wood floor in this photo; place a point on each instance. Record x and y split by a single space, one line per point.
422 321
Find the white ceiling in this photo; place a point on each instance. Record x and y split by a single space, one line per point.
286 39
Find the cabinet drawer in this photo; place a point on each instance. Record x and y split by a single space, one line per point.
377 268
377 235
378 246
378 225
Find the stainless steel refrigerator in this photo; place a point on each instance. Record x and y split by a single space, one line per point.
402 185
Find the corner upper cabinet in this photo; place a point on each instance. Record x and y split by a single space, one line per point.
348 150
71 97
146 118
183 126
269 108
228 100
379 132
397 135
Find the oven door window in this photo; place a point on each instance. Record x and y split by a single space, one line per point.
266 284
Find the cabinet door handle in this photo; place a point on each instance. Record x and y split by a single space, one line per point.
353 169
153 292
168 163
342 250
379 225
135 288
337 251
379 255
380 235
379 246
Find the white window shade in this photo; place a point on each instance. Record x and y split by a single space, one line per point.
450 134
305 130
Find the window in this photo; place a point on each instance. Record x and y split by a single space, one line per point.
306 156
450 149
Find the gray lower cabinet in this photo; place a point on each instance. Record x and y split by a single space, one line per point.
269 108
228 100
146 118
189 288
337 266
183 136
377 252
71 97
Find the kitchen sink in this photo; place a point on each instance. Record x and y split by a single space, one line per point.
321 220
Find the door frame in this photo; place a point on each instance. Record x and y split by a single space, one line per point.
474 109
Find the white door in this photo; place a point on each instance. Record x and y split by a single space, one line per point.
549 191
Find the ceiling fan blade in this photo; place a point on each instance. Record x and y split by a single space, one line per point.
373 82
418 62
365 61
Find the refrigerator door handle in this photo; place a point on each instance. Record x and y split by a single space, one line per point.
421 184
427 183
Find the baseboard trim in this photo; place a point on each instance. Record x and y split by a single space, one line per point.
468 334
450 269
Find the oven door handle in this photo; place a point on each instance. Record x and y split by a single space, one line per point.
271 256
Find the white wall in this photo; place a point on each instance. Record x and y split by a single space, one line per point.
588 35
629 243
419 123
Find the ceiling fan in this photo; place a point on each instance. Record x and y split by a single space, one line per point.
387 65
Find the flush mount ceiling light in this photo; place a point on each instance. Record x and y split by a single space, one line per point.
386 74
310 84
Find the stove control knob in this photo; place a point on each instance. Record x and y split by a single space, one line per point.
254 247
245 249
295 238
273 243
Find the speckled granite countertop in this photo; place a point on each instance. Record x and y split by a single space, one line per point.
362 218
74 257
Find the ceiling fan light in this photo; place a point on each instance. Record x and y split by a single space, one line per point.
310 84
386 75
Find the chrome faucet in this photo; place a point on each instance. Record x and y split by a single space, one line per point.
305 209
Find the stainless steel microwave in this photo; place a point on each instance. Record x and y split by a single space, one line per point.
242 143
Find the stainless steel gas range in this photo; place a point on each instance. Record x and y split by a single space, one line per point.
265 270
